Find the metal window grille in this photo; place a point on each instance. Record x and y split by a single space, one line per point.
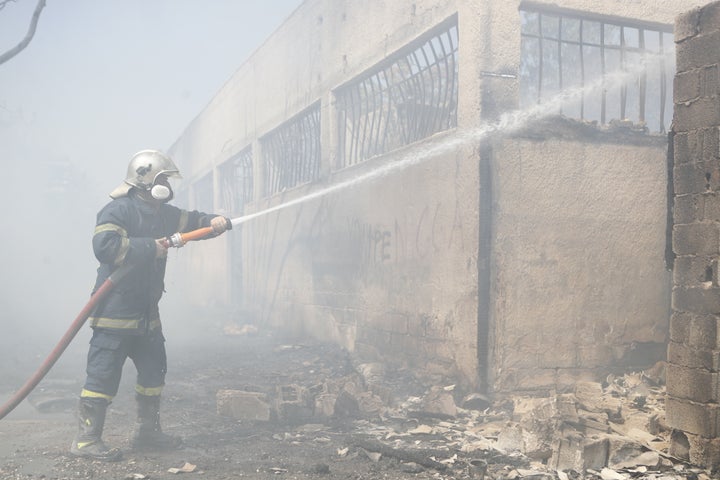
561 50
292 152
406 98
236 182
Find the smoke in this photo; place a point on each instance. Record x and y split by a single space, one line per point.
97 83
45 261
51 197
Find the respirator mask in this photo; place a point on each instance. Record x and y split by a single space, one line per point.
162 193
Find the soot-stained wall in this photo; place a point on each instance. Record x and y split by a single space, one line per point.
502 261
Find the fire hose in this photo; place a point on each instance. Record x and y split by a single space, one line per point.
176 240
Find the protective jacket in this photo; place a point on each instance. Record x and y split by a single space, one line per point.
125 233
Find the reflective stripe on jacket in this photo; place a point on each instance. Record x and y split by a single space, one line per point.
125 234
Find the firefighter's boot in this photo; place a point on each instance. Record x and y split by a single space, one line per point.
91 420
147 434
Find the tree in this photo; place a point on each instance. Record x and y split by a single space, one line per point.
28 36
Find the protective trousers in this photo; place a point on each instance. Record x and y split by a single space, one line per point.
107 355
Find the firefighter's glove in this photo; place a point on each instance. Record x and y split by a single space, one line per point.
220 224
161 248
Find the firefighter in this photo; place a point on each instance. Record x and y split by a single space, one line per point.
130 230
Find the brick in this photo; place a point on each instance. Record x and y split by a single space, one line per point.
696 239
690 208
691 271
709 81
294 405
681 148
243 405
695 331
710 144
710 205
689 178
692 357
697 146
712 175
679 445
325 405
696 300
687 25
709 19
680 325
695 384
574 452
622 449
686 86
698 51
704 452
703 332
701 113
692 417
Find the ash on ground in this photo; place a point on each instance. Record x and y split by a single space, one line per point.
250 405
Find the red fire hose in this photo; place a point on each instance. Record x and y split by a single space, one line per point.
176 240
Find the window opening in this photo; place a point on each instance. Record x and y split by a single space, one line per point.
561 50
406 98
292 152
236 182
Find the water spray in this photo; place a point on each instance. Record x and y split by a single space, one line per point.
507 123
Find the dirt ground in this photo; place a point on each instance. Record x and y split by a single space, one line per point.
379 434
34 439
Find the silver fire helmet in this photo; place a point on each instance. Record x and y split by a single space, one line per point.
144 168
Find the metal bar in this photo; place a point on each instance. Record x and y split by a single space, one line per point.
603 93
623 66
582 72
642 94
387 101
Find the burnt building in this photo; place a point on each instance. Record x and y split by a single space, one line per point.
477 190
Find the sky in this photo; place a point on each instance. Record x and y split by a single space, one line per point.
104 79
100 81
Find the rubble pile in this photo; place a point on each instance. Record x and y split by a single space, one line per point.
609 430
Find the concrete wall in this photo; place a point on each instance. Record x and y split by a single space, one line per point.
386 268
506 264
580 284
694 349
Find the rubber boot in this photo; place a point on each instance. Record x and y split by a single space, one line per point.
91 420
147 434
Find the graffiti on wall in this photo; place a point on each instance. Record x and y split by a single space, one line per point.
342 253
371 243
379 246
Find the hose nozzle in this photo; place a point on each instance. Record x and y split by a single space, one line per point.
178 239
175 240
